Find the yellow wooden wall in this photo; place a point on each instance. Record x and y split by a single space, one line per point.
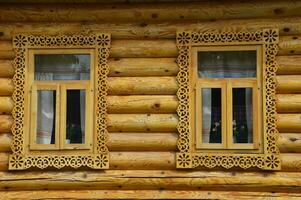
142 102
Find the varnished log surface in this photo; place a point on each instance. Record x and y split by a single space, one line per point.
5 141
142 104
161 48
5 123
120 67
144 30
147 12
6 105
142 122
146 194
289 65
142 85
169 180
288 103
7 86
287 123
6 68
143 141
289 142
288 84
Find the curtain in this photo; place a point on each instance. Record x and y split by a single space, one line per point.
227 64
61 67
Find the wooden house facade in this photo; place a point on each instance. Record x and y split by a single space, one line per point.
150 99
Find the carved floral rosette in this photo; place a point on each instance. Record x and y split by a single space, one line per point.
21 158
187 157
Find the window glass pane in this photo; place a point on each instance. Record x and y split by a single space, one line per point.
62 67
46 116
242 115
227 64
211 115
76 109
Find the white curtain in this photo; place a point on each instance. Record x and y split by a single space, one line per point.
226 65
59 71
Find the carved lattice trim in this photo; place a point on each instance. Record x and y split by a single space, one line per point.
21 157
187 158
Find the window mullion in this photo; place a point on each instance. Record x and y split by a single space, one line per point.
228 108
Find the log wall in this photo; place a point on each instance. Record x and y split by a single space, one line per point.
142 102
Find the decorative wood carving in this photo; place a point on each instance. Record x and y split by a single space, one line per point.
188 157
22 158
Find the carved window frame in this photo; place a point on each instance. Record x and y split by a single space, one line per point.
188 156
22 157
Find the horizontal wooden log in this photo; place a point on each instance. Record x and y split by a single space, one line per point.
289 123
6 105
143 141
289 45
143 67
288 103
146 194
290 162
161 48
7 86
6 54
289 25
6 122
142 122
141 104
289 65
142 85
199 11
288 84
6 45
289 142
5 140
150 180
6 69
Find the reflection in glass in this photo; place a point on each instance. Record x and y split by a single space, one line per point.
242 115
76 112
227 64
46 116
211 115
62 67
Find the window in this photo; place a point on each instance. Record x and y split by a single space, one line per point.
62 87
227 112
227 101
60 105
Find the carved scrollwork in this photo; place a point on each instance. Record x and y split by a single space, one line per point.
21 157
187 157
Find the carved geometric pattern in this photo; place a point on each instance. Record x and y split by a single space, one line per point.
187 157
21 157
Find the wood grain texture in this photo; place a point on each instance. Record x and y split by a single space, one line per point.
289 65
289 142
7 86
145 30
6 69
6 105
288 84
146 194
142 122
288 103
289 45
152 179
6 54
6 122
166 85
143 67
287 123
5 141
199 11
160 48
141 104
